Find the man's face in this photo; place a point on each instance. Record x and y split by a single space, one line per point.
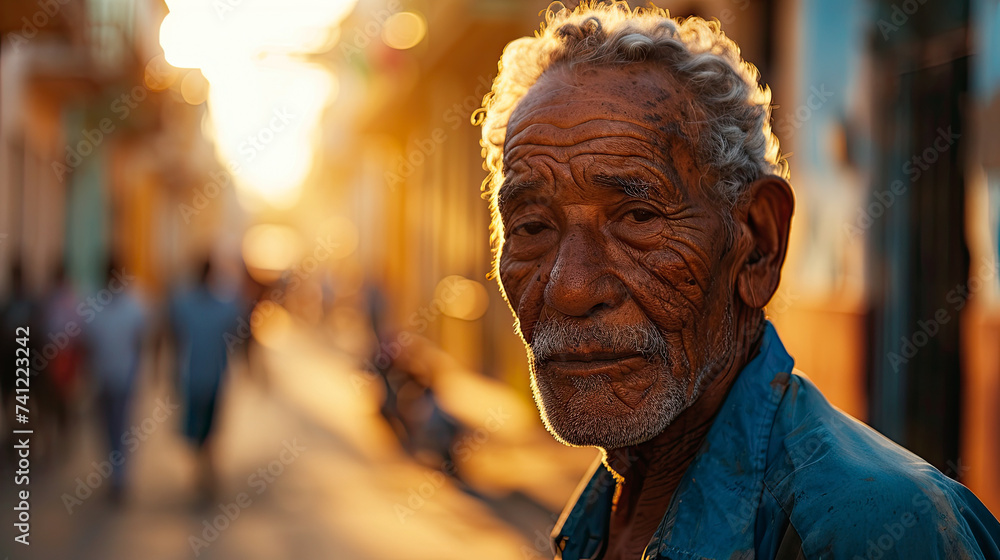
615 254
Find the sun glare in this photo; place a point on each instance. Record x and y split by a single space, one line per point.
264 100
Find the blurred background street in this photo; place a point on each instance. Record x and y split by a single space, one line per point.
249 242
346 489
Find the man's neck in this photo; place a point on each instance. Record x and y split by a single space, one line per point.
652 470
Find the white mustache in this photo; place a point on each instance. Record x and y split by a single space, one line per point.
556 337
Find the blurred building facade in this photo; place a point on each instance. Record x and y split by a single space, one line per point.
101 152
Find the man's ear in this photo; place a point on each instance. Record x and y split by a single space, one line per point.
768 219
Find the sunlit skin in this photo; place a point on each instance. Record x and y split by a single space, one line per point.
610 218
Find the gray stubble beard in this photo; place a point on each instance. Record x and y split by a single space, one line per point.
573 424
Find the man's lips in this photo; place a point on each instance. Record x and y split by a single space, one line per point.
595 362
591 356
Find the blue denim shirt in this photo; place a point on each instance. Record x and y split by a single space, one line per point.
782 473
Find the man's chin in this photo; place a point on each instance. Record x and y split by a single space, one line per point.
606 433
579 422
607 410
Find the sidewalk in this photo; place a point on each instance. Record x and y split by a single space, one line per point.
522 475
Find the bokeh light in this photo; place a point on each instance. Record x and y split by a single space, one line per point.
194 88
270 249
462 298
159 74
344 234
271 324
404 30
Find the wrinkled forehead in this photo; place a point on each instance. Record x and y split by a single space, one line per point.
614 111
634 101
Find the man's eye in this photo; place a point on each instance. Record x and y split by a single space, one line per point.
640 215
530 228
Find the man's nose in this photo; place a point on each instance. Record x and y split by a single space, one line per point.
581 283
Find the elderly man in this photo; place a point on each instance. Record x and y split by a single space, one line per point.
641 213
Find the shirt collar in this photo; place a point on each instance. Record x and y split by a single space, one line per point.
713 511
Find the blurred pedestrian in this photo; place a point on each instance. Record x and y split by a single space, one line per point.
200 317
18 311
62 369
376 309
113 338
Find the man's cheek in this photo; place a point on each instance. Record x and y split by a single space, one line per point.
524 292
508 277
514 276
669 292
528 307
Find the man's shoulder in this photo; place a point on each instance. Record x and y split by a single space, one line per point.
849 490
814 442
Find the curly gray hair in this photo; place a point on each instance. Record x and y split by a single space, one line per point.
737 141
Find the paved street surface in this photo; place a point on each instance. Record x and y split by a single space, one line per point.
308 470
